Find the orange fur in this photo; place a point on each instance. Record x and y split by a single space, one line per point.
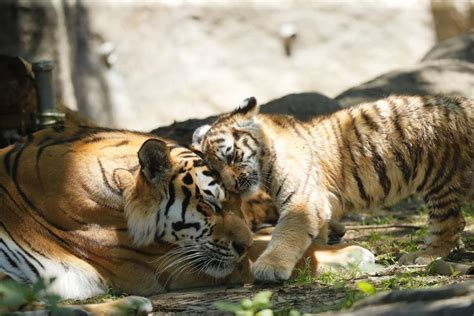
78 200
79 197
362 157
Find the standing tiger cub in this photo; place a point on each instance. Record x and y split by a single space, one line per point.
365 156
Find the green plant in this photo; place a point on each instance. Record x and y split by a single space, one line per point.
374 237
378 220
109 296
305 275
259 305
17 296
367 288
468 211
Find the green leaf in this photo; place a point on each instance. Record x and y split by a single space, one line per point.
265 312
261 300
37 287
246 304
12 294
367 288
227 307
244 313
294 312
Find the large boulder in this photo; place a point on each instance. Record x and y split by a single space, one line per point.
445 76
459 47
301 105
456 299
448 68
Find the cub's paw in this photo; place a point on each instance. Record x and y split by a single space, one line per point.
418 257
267 269
347 258
357 256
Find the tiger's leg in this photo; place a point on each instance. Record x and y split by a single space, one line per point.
291 237
446 222
130 305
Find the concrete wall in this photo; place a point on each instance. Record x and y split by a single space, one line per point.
144 64
177 60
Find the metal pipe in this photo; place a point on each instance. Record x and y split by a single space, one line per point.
46 112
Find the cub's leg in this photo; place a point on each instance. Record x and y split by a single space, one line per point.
318 256
292 236
446 222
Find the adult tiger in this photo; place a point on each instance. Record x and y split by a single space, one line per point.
369 155
63 196
99 208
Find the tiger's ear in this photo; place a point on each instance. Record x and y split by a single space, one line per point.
198 137
155 161
247 107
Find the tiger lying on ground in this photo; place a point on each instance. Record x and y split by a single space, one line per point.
99 208
365 156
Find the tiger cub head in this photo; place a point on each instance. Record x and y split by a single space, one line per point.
175 199
231 147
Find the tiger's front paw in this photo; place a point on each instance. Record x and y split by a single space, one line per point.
418 257
134 304
269 269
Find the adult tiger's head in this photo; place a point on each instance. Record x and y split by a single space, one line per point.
232 148
175 198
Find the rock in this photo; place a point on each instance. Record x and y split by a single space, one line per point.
302 105
182 132
445 76
456 299
449 268
194 59
460 47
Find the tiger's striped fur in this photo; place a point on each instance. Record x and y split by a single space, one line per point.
81 205
365 156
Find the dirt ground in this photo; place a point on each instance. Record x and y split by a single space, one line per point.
388 233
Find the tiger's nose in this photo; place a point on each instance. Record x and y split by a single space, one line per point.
240 248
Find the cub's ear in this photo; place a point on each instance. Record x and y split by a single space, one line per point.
247 107
198 137
155 162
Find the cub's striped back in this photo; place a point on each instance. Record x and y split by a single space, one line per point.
365 156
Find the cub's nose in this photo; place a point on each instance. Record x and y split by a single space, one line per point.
240 248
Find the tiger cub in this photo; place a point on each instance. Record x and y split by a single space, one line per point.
369 155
